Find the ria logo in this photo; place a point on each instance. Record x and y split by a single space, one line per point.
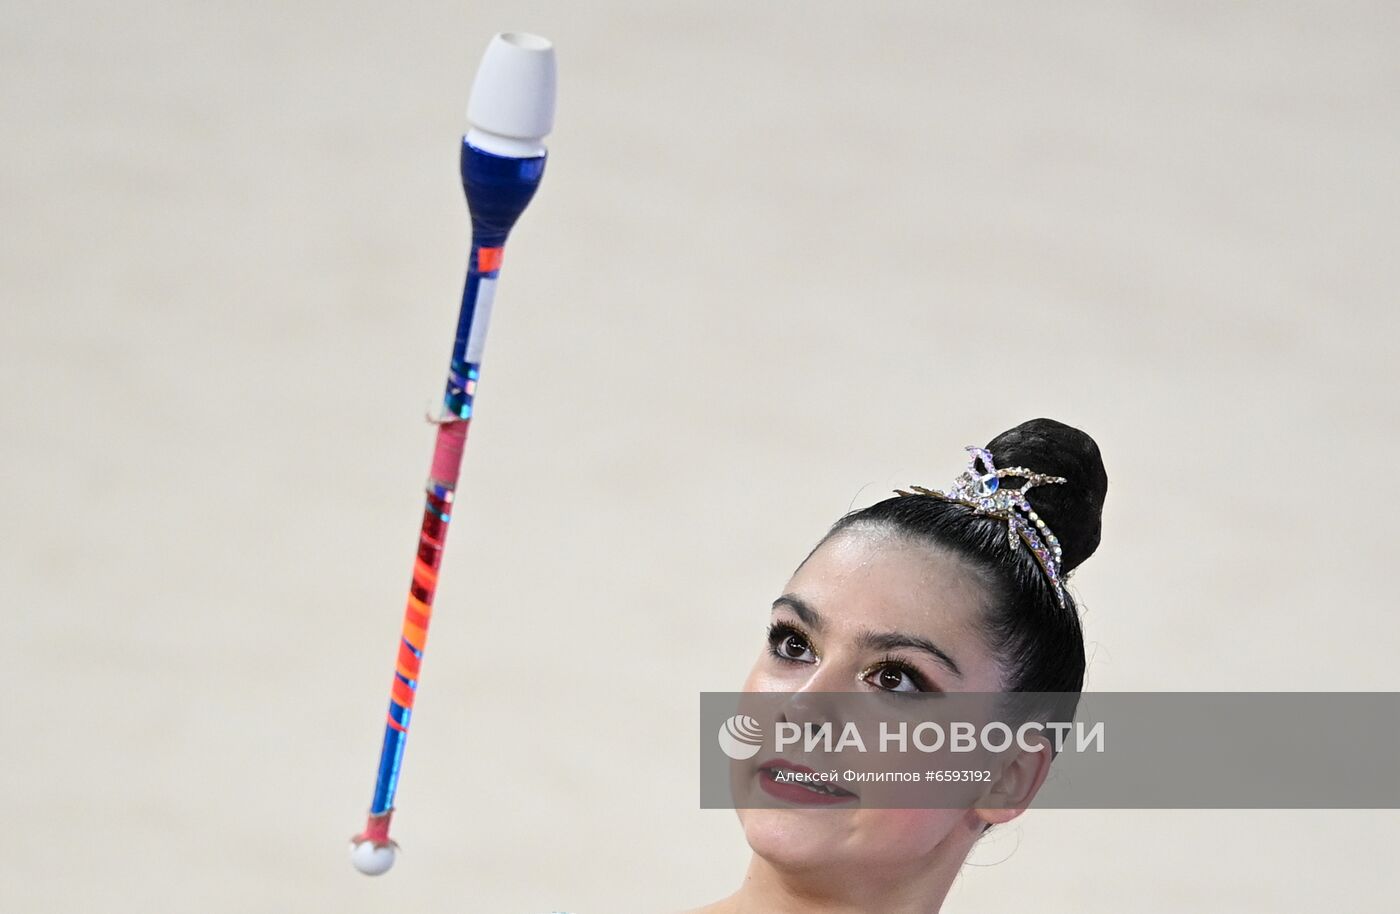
740 737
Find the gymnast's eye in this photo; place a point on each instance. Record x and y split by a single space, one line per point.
788 644
892 675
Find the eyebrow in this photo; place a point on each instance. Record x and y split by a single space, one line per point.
891 641
882 641
806 613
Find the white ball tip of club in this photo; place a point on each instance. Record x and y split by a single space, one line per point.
372 859
511 109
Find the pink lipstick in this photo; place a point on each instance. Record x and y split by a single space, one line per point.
800 785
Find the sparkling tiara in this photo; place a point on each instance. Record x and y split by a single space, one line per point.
981 490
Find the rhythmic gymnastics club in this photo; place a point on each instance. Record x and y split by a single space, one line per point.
511 110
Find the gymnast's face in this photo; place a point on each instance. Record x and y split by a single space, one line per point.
869 610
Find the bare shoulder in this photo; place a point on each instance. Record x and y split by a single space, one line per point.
719 907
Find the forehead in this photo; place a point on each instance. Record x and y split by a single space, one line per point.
880 569
870 578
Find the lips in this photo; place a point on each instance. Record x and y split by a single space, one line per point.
796 784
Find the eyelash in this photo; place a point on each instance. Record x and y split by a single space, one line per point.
914 676
779 632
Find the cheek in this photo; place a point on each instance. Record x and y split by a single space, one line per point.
771 675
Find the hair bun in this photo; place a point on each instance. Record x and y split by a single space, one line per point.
1074 509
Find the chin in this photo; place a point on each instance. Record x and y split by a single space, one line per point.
799 839
804 839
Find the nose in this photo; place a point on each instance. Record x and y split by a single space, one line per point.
817 700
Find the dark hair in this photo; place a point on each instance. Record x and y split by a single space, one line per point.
1040 642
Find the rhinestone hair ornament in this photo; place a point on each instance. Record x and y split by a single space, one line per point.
981 490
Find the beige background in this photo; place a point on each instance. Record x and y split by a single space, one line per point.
786 257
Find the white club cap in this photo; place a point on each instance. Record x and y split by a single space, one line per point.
511 109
